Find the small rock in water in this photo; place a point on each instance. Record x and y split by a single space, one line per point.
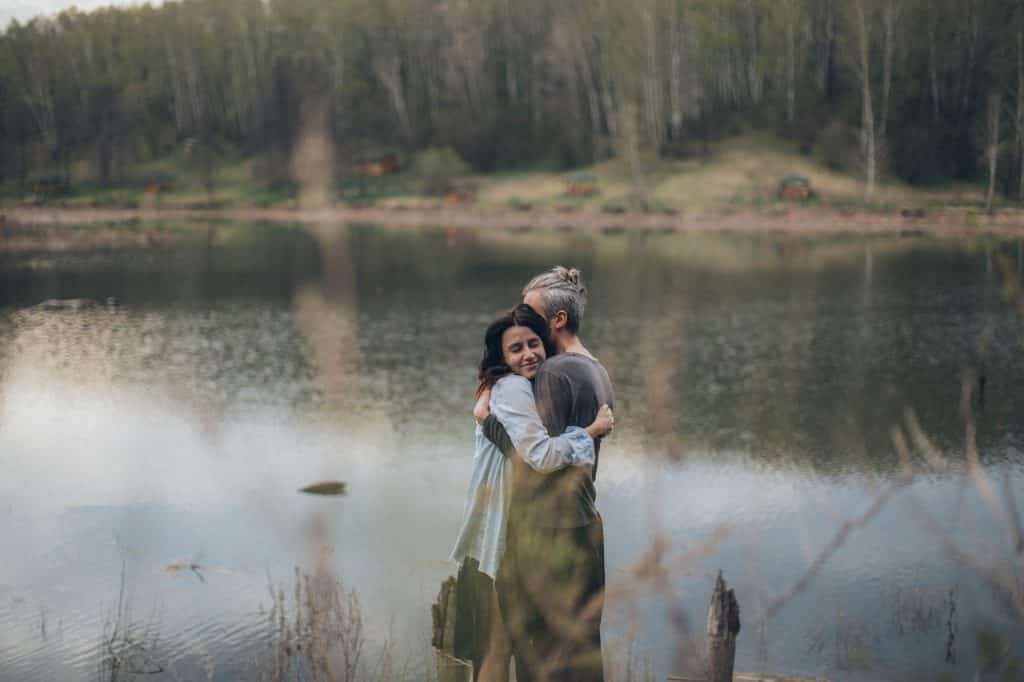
174 567
67 303
325 488
76 303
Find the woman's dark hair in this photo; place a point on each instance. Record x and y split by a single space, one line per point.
492 365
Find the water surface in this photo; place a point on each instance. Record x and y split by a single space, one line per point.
758 385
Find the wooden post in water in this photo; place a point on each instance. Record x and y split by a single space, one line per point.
444 614
723 626
443 636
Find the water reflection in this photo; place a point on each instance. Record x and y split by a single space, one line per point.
758 383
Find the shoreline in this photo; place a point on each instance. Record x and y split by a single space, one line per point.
797 220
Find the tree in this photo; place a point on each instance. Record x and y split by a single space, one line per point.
508 83
993 116
860 28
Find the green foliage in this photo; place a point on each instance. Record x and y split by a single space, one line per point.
436 168
923 156
837 145
648 205
503 85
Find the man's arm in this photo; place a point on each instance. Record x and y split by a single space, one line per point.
553 394
516 429
496 433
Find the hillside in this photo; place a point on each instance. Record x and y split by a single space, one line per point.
742 173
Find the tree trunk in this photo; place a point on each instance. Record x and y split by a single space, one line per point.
629 145
755 76
870 150
933 67
590 85
868 141
608 95
826 43
511 79
466 55
722 627
178 89
454 620
675 87
890 15
1019 119
250 113
388 69
972 42
652 78
992 151
37 93
791 20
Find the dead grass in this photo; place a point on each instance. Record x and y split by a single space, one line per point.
319 635
539 188
741 172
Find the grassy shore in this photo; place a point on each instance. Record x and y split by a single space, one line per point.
732 188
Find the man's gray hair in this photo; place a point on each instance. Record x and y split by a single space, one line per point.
561 289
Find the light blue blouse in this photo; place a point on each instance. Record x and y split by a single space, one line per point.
482 536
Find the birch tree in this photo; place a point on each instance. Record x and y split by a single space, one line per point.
511 82
860 28
676 43
791 15
387 34
993 115
1018 120
890 16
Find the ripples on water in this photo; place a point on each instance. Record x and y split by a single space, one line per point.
758 382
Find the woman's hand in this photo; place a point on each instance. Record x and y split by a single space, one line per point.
482 409
602 424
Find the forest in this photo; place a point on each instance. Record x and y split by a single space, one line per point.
925 91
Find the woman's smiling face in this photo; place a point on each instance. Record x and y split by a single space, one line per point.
523 351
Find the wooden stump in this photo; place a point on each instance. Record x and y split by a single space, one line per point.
443 638
444 614
753 677
723 626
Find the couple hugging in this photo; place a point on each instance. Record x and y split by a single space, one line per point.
532 541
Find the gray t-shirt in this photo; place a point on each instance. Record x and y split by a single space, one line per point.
483 532
569 389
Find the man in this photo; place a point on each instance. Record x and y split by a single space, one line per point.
551 580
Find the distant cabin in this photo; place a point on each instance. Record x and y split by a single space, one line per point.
50 186
157 183
581 185
795 188
377 165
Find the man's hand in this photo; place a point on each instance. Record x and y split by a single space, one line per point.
602 424
483 406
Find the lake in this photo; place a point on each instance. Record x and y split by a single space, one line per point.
772 393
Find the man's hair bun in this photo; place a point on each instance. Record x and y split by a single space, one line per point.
562 290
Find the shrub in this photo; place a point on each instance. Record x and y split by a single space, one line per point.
806 129
838 146
436 168
921 155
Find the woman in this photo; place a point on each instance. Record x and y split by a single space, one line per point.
514 347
